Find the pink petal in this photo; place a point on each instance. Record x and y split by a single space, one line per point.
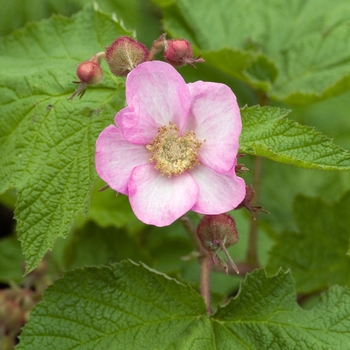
130 121
218 193
156 94
215 117
159 200
116 158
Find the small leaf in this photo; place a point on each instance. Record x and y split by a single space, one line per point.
48 142
129 306
317 254
268 133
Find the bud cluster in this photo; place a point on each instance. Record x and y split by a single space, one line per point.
125 53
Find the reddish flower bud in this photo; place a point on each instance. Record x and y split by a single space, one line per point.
178 52
89 73
216 233
124 55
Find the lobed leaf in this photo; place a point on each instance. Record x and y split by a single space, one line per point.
48 142
124 306
317 253
129 306
265 316
268 133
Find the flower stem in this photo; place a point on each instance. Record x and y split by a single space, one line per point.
205 267
204 259
252 253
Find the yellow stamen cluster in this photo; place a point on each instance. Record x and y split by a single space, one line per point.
173 154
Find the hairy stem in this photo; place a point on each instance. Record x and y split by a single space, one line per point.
204 259
252 253
205 267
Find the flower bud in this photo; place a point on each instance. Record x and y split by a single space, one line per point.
124 55
178 52
216 233
89 73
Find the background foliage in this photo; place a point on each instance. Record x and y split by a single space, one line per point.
292 59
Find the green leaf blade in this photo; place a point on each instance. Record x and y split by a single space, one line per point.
11 260
317 253
130 306
267 133
48 142
274 321
124 306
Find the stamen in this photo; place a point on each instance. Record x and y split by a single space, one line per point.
173 154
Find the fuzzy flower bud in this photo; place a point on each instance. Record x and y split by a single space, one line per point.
216 233
124 55
89 73
178 52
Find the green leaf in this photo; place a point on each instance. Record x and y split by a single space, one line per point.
11 260
125 306
265 315
129 306
136 14
306 46
317 253
267 133
113 245
109 209
48 142
280 183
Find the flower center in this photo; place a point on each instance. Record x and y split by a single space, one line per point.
174 154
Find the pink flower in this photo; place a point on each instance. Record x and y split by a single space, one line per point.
175 146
